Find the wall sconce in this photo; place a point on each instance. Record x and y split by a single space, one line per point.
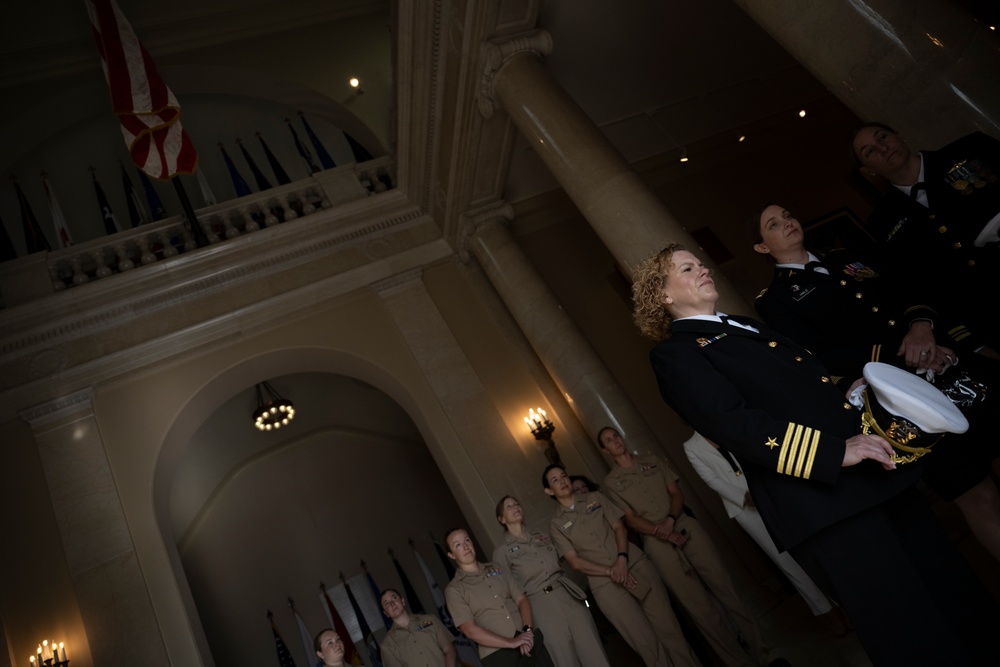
542 429
48 655
275 412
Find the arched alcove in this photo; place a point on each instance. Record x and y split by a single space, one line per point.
315 504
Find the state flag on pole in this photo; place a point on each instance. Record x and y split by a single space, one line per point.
351 656
279 172
468 654
136 212
436 592
305 636
448 566
6 245
34 239
111 225
324 157
258 175
155 204
239 183
366 632
284 656
303 151
386 621
58 219
145 106
412 601
359 151
206 190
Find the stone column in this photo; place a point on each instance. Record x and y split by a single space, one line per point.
107 578
624 212
597 398
925 67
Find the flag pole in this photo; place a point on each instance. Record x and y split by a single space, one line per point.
199 234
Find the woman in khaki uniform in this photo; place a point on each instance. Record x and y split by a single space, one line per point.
589 533
570 634
415 640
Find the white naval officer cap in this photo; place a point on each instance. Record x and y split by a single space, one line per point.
910 397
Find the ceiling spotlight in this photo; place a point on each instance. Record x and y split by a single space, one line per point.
802 113
355 82
742 137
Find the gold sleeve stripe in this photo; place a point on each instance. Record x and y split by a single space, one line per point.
959 332
919 306
783 452
798 451
813 448
876 352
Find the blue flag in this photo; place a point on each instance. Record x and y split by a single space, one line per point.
412 601
136 214
303 151
324 157
284 656
155 205
111 225
239 184
279 172
34 239
360 154
7 246
386 621
369 637
258 175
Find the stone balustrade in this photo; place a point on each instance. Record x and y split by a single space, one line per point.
41 274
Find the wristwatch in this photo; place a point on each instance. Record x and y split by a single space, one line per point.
526 628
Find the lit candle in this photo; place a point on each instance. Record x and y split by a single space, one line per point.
62 647
32 661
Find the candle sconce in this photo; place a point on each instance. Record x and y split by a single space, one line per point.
48 655
542 429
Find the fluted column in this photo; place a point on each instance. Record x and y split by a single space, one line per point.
596 397
628 217
926 67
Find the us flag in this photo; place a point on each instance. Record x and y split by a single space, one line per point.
148 111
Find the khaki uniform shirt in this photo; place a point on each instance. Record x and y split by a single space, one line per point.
421 644
488 597
643 488
533 562
586 529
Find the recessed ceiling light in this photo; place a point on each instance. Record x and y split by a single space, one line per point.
355 82
684 159
742 137
802 113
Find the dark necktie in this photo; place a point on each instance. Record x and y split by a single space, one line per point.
817 267
916 189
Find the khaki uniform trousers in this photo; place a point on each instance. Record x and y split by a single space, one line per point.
570 634
683 571
648 625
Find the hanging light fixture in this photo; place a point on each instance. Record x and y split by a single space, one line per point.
276 412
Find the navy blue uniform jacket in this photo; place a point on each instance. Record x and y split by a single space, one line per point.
772 404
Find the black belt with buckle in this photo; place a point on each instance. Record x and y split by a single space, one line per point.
547 589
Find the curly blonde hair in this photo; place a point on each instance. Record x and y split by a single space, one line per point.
648 311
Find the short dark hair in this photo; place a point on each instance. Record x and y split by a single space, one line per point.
545 473
389 590
591 485
448 533
753 223
320 634
854 135
601 431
